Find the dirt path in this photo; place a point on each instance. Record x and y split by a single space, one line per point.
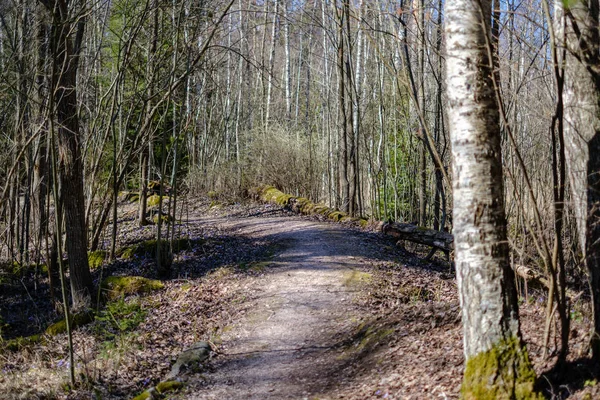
283 347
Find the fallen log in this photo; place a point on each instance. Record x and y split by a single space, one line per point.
302 205
530 275
413 233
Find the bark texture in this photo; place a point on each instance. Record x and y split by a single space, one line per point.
582 137
64 50
497 365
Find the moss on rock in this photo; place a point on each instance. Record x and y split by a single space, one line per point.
302 205
322 209
308 208
337 215
77 320
114 287
273 195
503 372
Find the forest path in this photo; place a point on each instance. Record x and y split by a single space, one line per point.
284 345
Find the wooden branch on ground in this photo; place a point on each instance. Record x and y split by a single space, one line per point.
530 275
440 240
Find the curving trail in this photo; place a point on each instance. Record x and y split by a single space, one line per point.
284 345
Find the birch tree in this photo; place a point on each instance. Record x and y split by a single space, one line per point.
582 136
497 363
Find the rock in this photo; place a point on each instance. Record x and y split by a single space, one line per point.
194 355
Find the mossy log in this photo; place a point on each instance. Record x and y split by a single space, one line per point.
413 233
77 320
302 205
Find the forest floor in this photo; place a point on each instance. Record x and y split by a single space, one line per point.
295 307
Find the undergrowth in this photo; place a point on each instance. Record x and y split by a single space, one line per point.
119 317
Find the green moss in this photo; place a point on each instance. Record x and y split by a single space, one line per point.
77 320
367 336
145 395
300 203
148 248
322 209
96 258
503 372
119 317
357 278
308 207
165 219
272 195
163 387
114 287
212 194
14 270
168 386
155 199
303 205
337 215
283 199
21 342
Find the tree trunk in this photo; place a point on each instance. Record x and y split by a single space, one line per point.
497 364
65 51
582 138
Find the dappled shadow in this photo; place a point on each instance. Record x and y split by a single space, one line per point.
561 381
337 362
27 310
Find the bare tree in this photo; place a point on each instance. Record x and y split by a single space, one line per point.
65 47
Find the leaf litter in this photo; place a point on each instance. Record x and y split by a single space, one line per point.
393 330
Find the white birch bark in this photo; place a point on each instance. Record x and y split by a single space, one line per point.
288 63
271 64
496 360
